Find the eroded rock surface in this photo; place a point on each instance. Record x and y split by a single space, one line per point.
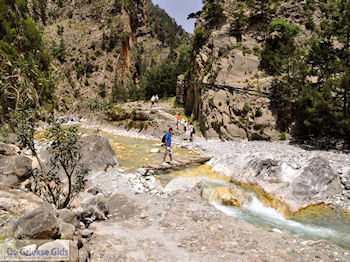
41 223
14 169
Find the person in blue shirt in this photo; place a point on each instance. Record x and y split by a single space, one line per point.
168 146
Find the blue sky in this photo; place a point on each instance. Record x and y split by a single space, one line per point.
180 9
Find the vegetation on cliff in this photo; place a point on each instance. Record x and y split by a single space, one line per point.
25 73
303 49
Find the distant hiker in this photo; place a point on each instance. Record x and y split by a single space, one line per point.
185 126
179 119
156 99
192 131
153 100
167 141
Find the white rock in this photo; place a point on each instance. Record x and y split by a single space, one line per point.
155 150
276 230
86 233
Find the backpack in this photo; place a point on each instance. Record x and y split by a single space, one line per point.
163 139
194 130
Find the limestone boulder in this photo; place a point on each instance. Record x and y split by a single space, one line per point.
8 150
316 182
17 201
15 169
181 184
118 115
41 223
97 153
67 231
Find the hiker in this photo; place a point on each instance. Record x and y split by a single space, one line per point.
156 100
153 100
179 119
185 126
167 141
192 131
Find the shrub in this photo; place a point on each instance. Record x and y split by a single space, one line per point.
258 112
200 38
214 14
246 108
284 135
65 152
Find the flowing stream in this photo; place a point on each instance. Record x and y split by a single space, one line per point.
314 223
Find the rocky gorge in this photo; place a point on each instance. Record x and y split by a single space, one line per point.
122 209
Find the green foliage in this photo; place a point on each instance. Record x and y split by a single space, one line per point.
25 72
200 38
99 105
258 112
165 28
246 108
162 79
213 14
279 25
65 152
312 87
284 135
119 93
278 47
32 35
60 51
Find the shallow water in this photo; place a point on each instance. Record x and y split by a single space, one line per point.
314 223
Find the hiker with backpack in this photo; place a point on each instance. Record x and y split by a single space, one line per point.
167 141
192 132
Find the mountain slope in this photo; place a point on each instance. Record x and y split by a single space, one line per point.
102 49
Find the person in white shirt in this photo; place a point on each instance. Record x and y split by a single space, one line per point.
192 132
153 100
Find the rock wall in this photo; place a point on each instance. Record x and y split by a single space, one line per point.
233 59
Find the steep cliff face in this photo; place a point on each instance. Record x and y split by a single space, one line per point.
102 49
228 52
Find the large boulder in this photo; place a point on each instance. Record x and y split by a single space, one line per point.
8 150
317 181
14 169
41 223
182 184
279 183
97 153
118 115
17 201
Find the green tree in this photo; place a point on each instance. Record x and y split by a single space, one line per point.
280 46
213 13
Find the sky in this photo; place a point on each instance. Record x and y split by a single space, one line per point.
180 9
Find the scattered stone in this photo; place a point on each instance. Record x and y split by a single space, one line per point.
94 190
84 254
86 233
347 185
67 231
276 230
67 216
343 181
